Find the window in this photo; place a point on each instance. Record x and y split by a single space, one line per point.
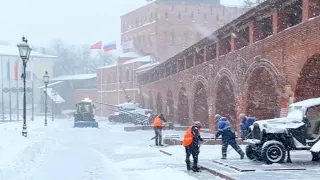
192 16
205 17
151 17
150 40
179 15
166 15
198 9
172 38
186 39
186 9
127 75
137 22
172 8
211 11
198 35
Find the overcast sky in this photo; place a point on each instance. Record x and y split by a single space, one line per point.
74 21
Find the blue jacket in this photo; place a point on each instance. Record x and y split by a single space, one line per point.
246 123
224 129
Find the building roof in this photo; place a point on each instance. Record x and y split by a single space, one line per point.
58 99
130 55
147 65
108 66
7 50
51 84
140 59
74 77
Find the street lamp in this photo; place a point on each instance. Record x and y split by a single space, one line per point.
46 81
54 96
24 50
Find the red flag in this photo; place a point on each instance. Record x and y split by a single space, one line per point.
15 70
97 45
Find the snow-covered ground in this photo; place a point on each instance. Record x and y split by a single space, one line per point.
59 151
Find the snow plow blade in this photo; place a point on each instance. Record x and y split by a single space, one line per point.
86 124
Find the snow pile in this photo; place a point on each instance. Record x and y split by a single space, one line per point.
11 146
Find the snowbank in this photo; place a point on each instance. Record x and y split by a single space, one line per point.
11 146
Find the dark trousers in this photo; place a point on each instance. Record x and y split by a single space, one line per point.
233 144
158 133
194 151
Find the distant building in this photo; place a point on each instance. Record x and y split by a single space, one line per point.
164 28
13 89
109 88
72 89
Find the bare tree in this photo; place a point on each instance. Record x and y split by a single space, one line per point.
74 59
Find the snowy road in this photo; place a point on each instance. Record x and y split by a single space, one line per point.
65 153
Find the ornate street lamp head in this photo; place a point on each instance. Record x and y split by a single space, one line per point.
24 49
46 78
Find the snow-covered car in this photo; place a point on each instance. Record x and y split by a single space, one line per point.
271 140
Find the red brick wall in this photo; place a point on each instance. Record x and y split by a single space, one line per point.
283 55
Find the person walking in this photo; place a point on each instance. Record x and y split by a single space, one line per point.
228 136
191 144
157 126
246 122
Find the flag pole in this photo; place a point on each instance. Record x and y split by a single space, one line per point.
32 99
101 92
9 79
118 79
17 82
2 96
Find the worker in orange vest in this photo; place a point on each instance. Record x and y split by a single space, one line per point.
157 126
191 143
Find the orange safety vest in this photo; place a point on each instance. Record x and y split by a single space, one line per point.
157 122
188 137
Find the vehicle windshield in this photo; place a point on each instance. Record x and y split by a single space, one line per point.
295 112
84 108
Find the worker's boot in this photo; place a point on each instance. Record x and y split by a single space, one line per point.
242 155
224 156
195 167
188 165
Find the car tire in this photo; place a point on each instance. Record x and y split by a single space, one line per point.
273 152
250 152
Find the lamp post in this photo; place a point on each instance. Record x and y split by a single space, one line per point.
24 50
54 96
46 81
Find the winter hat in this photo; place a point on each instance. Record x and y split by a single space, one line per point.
217 116
242 116
197 123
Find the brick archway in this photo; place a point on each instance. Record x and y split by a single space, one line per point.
200 107
308 84
225 101
183 108
170 106
262 90
150 103
262 96
159 104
